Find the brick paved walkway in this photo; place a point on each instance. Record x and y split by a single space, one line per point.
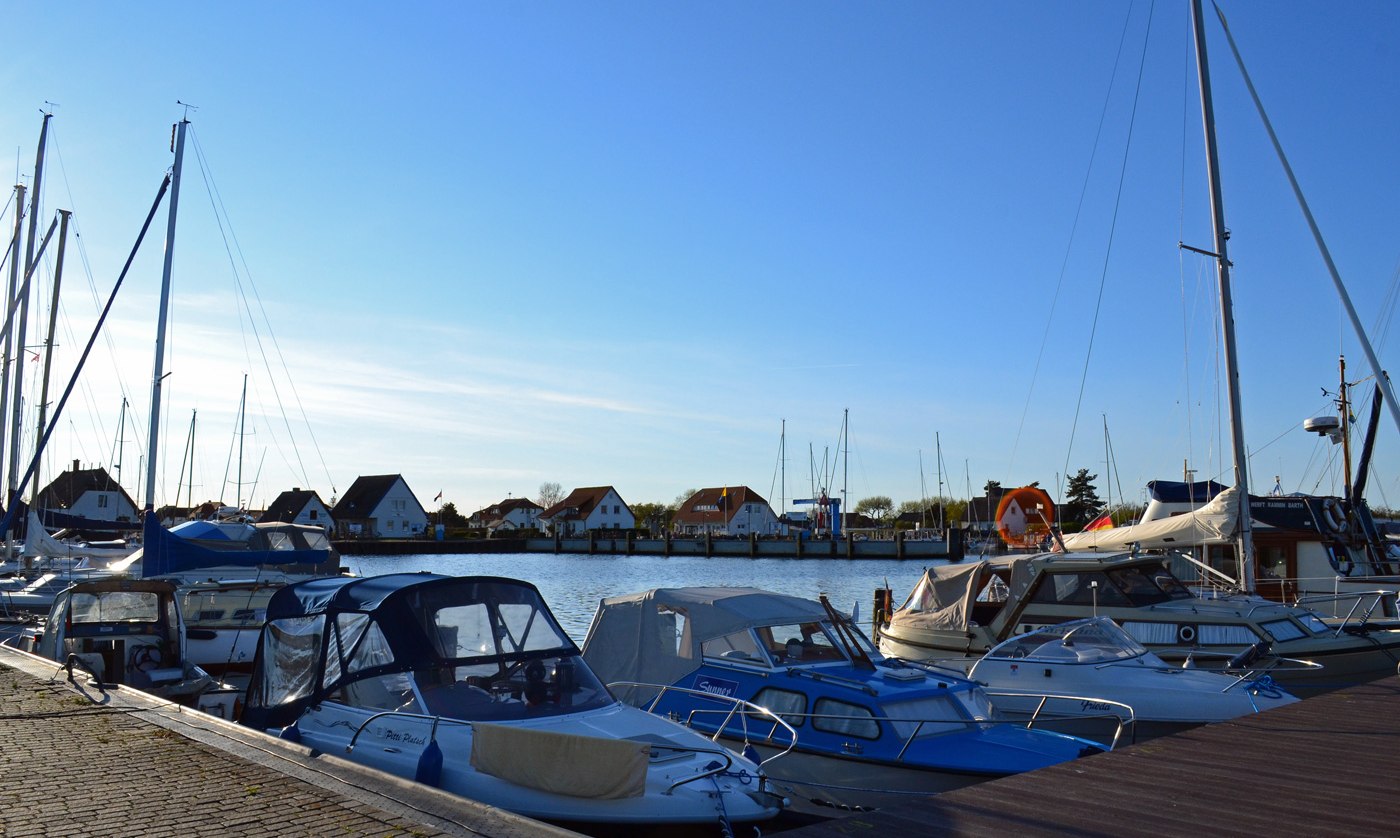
132 766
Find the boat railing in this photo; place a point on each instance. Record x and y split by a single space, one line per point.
1376 599
713 770
737 706
1126 719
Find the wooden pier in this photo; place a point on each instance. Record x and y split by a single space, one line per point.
1324 766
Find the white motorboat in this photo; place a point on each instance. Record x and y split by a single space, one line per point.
1095 657
469 684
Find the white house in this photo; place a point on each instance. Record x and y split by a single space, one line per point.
89 494
509 514
300 506
731 510
594 508
380 506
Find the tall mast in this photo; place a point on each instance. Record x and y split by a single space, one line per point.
9 300
1244 536
242 427
782 457
48 349
17 409
938 462
158 375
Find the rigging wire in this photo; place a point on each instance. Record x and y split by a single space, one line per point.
220 213
1108 250
1069 246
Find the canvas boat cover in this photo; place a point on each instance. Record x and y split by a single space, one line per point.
943 599
655 637
38 543
1213 523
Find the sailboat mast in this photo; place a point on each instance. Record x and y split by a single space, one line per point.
158 375
1244 535
9 302
938 463
48 348
17 409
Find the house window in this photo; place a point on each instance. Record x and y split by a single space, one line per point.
617 509
313 515
101 501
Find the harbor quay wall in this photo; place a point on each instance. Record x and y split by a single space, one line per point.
626 544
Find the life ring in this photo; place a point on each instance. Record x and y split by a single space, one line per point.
1333 515
1187 633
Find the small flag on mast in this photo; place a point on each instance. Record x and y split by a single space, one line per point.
438 498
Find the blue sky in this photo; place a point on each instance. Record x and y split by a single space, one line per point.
620 243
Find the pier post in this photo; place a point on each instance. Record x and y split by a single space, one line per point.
850 545
558 539
708 544
899 544
630 544
753 544
798 539
666 543
591 541
957 550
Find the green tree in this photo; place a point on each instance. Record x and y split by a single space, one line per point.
1082 501
992 488
447 515
653 516
876 506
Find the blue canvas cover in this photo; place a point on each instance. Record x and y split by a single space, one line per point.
164 553
1175 491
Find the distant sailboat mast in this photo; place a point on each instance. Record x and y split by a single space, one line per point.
158 375
17 408
1244 535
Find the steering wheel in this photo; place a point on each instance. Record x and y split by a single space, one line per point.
146 658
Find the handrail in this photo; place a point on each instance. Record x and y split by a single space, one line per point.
1130 721
738 704
1357 596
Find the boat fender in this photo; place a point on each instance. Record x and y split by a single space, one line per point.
1333 515
1247 658
429 771
751 754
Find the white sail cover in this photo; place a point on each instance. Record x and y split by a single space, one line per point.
39 544
1213 523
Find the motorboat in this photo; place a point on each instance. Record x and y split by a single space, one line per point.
470 685
1321 551
853 729
126 633
1095 657
964 609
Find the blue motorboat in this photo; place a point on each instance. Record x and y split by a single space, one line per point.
869 730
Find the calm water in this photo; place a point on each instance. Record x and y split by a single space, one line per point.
573 583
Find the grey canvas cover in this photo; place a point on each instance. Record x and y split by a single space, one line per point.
655 637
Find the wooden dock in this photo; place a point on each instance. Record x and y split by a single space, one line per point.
1324 766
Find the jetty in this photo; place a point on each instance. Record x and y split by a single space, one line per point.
848 546
84 761
1319 767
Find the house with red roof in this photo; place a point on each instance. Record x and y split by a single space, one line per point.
509 514
730 510
592 508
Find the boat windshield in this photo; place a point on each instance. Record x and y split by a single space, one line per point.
1133 586
114 607
1081 641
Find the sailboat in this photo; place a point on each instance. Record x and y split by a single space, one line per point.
961 610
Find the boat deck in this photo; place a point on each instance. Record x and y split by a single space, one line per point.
1324 766
83 762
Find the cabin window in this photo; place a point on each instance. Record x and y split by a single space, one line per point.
840 717
925 717
671 632
1283 630
803 643
280 541
291 650
1077 589
790 706
1224 635
737 646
